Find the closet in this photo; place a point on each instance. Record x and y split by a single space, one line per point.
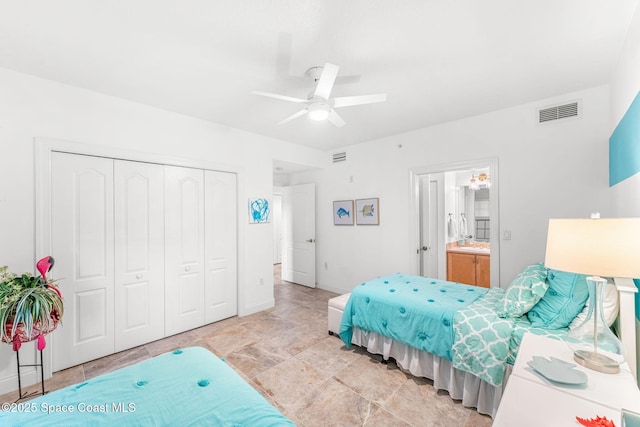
142 251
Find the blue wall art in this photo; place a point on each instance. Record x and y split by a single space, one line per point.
343 212
259 211
624 145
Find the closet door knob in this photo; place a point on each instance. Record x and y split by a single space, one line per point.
187 268
138 276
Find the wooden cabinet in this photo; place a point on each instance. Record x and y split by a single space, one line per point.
469 268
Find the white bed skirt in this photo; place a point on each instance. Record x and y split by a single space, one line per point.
471 390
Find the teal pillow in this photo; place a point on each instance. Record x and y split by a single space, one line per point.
564 299
524 292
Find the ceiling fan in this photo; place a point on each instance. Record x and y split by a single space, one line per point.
319 105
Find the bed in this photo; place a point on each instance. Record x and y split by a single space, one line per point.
465 338
185 387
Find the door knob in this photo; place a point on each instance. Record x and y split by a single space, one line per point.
138 276
187 268
425 248
311 240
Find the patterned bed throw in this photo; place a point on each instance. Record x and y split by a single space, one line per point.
484 342
482 339
414 310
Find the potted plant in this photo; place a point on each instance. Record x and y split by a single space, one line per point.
30 306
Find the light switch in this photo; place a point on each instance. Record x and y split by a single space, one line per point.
507 235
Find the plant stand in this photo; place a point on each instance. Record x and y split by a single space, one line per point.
41 365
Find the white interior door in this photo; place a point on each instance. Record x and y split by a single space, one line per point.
221 275
139 253
431 215
299 234
83 247
184 249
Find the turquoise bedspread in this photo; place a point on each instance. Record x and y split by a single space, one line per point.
189 387
414 310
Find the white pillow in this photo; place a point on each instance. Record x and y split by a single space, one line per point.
611 307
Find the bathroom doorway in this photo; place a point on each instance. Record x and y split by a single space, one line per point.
455 206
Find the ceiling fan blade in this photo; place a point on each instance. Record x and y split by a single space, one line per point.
276 96
347 101
293 116
325 83
335 119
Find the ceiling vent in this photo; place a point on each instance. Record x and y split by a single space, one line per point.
339 157
558 112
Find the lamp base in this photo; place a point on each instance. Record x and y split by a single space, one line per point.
596 361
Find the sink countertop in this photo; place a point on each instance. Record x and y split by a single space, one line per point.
469 249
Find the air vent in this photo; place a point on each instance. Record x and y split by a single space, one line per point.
339 157
558 112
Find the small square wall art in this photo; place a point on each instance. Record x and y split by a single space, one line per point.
367 211
259 211
343 212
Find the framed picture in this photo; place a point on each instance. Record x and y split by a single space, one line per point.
343 212
367 211
259 211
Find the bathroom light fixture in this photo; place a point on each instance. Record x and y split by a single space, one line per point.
481 181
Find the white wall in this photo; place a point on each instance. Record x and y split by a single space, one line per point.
31 107
552 170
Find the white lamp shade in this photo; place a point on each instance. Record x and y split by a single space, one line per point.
608 247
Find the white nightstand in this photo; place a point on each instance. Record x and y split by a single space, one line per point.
530 400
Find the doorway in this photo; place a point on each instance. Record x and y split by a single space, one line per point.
294 226
450 204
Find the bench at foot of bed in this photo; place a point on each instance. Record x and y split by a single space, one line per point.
336 307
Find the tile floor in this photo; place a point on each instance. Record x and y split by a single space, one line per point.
287 354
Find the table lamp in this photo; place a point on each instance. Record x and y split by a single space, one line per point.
595 247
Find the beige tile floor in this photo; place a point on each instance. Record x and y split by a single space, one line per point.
287 354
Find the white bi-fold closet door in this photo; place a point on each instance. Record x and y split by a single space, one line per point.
142 251
200 250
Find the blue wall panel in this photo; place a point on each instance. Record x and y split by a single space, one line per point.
624 145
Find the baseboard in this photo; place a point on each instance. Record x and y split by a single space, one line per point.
339 291
29 376
256 308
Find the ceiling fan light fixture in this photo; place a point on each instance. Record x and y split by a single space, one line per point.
319 111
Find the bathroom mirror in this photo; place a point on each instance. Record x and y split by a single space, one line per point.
471 215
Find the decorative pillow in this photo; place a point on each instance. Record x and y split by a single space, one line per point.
524 292
610 306
564 299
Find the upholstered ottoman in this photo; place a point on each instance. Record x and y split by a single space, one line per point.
336 307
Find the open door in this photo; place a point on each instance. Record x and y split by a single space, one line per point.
299 234
431 195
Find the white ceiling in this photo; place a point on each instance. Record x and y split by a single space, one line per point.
436 60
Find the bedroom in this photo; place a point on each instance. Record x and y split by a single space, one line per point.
555 170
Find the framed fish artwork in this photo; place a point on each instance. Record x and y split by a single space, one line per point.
343 212
367 211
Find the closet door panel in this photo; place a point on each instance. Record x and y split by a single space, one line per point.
139 254
184 249
221 289
82 246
